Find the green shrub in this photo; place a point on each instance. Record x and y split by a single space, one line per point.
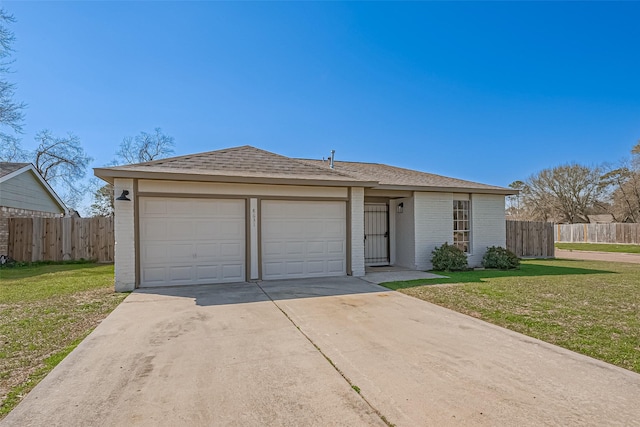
449 258
501 258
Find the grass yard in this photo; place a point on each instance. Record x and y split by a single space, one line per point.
590 307
599 247
45 311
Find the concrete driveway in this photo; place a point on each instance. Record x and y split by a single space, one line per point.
289 352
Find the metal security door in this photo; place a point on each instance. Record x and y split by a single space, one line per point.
376 234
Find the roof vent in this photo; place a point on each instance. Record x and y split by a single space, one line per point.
333 152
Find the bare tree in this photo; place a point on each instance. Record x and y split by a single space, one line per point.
145 147
514 205
623 184
62 162
11 112
11 149
564 193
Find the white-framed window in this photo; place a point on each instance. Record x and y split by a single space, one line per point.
462 225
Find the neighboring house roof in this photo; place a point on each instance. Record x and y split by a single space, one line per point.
601 219
248 164
9 170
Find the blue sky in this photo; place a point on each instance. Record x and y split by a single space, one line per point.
490 92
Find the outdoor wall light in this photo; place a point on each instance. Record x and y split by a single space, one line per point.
400 208
123 196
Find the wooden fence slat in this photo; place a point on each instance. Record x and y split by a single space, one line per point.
598 233
58 239
531 239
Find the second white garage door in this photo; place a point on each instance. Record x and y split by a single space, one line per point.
303 239
191 241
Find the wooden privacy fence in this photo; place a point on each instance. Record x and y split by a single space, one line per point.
530 239
598 233
61 239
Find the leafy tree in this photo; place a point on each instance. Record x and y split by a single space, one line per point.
102 201
11 112
144 147
564 193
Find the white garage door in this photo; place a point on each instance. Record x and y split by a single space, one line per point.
191 241
303 239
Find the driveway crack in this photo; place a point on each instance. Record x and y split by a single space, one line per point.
328 359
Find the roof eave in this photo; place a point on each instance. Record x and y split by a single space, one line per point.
439 189
109 175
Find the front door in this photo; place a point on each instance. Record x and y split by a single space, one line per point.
376 234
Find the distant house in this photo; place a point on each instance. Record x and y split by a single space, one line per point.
243 214
601 219
23 194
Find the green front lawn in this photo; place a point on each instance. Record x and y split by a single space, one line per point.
590 307
599 247
45 311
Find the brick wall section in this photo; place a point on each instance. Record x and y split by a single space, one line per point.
488 226
125 254
357 231
434 225
7 212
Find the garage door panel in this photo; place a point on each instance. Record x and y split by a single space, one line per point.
180 273
316 267
229 229
177 230
179 207
206 273
293 248
271 269
313 228
233 272
153 274
303 239
334 228
191 241
316 248
153 206
231 250
294 268
207 251
335 247
336 266
154 229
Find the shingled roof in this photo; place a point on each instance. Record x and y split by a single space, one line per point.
8 167
237 164
250 164
393 177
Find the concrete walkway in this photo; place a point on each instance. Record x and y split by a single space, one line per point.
377 275
598 256
289 352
